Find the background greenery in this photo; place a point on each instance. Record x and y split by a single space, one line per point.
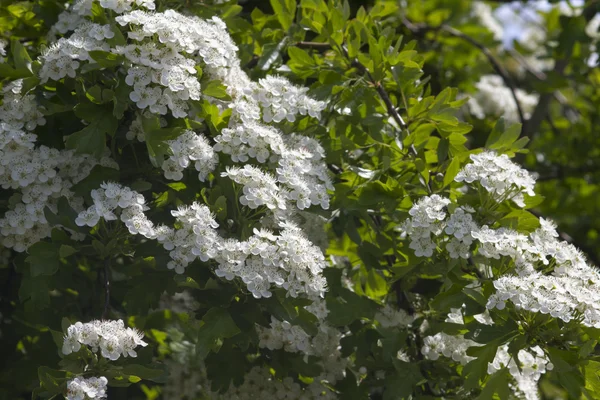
367 58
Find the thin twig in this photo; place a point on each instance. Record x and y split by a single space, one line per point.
384 96
106 288
313 45
498 67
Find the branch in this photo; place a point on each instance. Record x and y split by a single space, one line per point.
420 29
313 46
384 96
541 110
106 288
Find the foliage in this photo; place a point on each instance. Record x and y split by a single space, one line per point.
297 199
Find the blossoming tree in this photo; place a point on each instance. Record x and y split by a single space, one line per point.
291 201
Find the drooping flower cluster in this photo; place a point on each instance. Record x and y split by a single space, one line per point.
111 338
87 388
493 98
452 346
293 338
161 60
286 260
502 178
526 371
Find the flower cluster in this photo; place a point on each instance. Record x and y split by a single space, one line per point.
325 344
564 297
287 260
187 148
569 293
64 57
86 388
502 178
259 188
259 383
283 335
494 98
39 175
250 140
450 346
110 337
390 317
526 371
280 100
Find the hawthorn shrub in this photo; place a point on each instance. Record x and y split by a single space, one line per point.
292 201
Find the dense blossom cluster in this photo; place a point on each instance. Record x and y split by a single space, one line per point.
287 260
526 370
189 148
544 275
111 338
39 175
87 388
160 63
569 292
495 99
502 178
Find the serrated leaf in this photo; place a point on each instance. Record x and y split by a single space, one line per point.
65 251
285 11
216 89
43 259
218 324
452 171
96 177
20 57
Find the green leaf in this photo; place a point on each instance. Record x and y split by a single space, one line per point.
96 177
155 138
502 136
155 374
592 379
106 59
348 307
216 89
522 220
218 324
51 379
92 138
376 284
300 56
476 369
43 259
452 171
7 71
285 11
20 57
65 216
496 385
65 251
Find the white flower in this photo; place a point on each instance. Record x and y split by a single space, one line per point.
110 337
